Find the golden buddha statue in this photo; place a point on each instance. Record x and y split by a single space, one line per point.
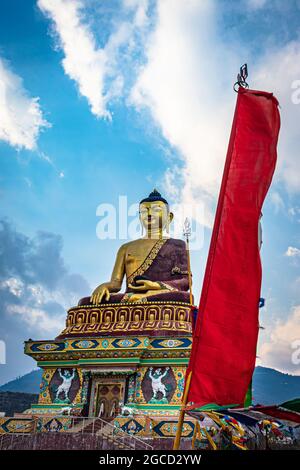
155 265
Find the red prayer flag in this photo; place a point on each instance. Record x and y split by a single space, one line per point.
224 344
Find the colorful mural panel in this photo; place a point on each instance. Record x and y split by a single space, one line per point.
168 429
16 425
55 424
158 385
64 385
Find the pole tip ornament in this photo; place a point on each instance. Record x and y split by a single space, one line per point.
187 231
241 78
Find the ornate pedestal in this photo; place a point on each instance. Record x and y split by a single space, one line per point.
119 361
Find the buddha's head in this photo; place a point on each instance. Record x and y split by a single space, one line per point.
155 214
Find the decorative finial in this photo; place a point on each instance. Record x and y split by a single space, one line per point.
187 229
241 78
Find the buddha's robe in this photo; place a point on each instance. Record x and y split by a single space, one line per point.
165 263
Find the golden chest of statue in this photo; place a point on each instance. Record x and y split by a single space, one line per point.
135 253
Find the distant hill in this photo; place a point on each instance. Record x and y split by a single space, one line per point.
273 387
16 402
269 386
28 383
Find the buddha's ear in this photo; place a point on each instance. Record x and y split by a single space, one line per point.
171 217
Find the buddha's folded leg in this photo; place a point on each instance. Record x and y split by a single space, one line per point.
158 296
114 298
170 296
140 296
150 296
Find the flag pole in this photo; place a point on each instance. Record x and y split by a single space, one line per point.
182 412
187 233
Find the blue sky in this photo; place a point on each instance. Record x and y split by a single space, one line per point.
133 95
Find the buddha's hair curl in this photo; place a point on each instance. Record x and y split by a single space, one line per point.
155 196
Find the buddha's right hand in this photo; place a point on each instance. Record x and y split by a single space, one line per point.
99 293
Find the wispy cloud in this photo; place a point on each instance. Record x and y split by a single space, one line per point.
276 71
277 201
96 70
83 62
282 348
43 156
179 83
37 318
181 86
256 4
21 118
292 251
193 103
34 281
294 212
36 288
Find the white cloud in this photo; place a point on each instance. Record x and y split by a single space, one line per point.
28 182
293 213
292 251
182 87
96 70
83 62
37 318
14 285
282 347
277 201
49 160
33 301
34 281
276 71
193 103
140 7
21 118
256 4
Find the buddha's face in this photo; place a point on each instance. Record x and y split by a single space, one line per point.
155 215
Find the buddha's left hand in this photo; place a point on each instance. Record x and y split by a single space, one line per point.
145 285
